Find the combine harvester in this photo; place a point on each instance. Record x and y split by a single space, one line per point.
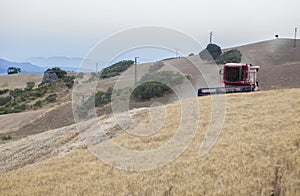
237 77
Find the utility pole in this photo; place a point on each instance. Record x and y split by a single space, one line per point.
295 41
210 37
135 69
96 67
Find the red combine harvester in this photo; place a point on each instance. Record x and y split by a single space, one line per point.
237 77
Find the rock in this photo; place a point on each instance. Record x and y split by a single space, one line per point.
49 76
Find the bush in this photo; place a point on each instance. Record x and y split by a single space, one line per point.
69 81
16 92
211 52
51 98
38 104
5 100
6 137
30 85
188 76
150 89
115 69
19 108
156 84
231 56
3 91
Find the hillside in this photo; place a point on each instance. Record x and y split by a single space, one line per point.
19 80
257 153
279 62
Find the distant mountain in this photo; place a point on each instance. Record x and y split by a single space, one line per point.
56 61
26 67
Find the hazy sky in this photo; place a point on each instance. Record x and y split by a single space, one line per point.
31 28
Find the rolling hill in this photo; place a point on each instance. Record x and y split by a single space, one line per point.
279 62
257 151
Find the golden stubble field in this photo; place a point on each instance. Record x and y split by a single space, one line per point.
257 153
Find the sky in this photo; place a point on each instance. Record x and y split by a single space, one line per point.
44 28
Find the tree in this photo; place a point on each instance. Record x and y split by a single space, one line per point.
231 56
13 70
211 52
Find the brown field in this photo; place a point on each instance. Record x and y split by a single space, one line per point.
257 153
19 80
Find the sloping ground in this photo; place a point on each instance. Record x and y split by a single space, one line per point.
279 62
12 122
60 116
257 153
32 122
19 80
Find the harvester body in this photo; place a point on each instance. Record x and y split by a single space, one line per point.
237 77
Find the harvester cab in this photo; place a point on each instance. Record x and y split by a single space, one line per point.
237 77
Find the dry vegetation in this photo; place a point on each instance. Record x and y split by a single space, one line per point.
257 153
19 80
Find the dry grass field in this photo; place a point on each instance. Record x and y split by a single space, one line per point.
257 153
19 80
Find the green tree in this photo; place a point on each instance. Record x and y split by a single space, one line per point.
13 70
231 56
211 52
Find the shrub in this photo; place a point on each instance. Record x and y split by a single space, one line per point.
188 76
3 91
16 92
150 89
38 104
69 81
5 100
156 84
6 137
30 85
19 108
116 69
51 98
